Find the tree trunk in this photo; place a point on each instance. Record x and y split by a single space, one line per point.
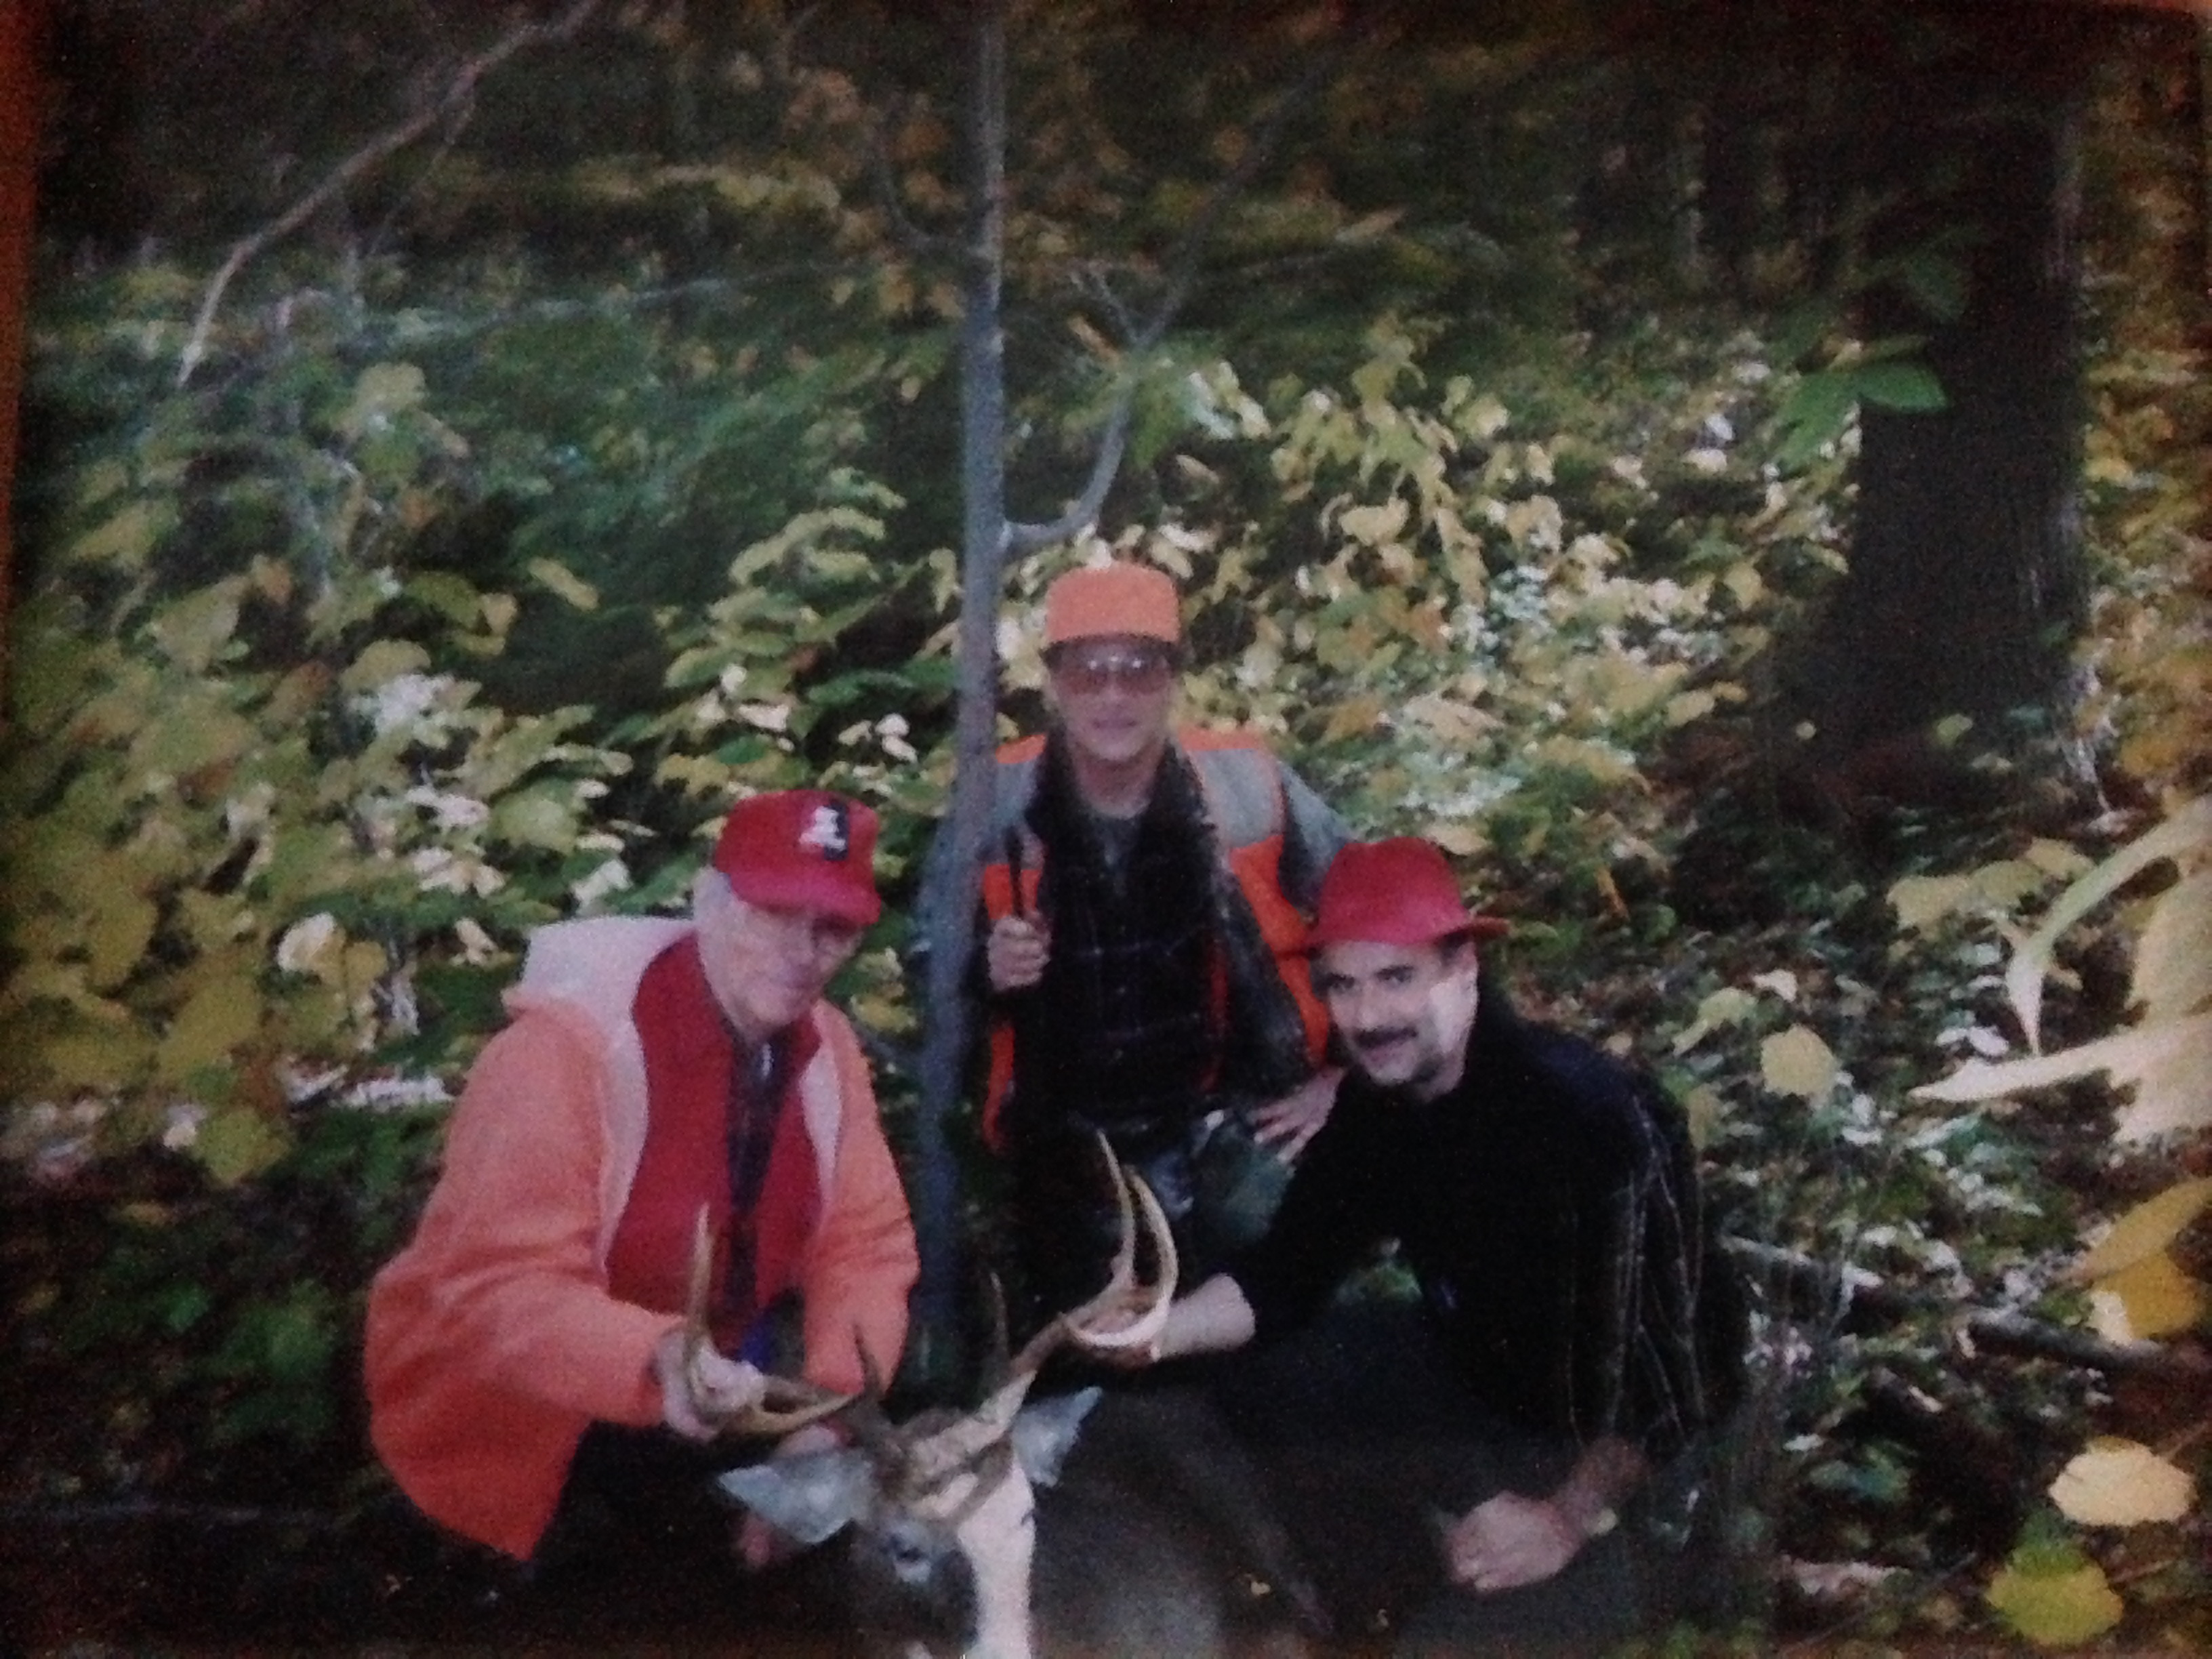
947 903
1966 589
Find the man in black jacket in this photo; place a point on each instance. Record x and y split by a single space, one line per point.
1581 1331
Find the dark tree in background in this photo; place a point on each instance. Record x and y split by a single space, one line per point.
1966 589
1906 174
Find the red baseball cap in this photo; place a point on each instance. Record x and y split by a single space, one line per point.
1101 599
803 850
1399 891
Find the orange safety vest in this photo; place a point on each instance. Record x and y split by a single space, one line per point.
1242 786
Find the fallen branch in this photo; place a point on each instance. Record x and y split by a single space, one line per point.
1817 1284
459 89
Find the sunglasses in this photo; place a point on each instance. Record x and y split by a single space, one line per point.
1088 671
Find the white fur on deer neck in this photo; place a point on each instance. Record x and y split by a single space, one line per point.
999 1537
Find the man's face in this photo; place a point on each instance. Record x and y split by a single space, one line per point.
767 967
1114 694
1403 1012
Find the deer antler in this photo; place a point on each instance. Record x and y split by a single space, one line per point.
1140 1309
786 1403
1124 1315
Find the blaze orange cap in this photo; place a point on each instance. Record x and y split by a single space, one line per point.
1111 598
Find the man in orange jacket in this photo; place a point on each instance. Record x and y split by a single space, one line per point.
1145 899
655 1068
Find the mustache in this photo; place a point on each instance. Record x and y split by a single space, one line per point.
1375 1037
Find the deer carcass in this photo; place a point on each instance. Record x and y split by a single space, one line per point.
986 1534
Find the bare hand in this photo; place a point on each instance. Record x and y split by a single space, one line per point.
1286 1125
699 1395
1016 953
1510 1541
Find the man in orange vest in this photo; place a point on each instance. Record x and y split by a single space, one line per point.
1145 894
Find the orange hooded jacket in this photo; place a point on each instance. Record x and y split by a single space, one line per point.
492 1340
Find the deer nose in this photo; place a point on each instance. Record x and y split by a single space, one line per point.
908 1554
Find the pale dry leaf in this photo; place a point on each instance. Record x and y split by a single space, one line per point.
1797 1062
2122 1483
2145 1300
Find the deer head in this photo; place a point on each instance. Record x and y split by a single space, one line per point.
941 1508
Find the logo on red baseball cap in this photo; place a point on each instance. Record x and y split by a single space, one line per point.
803 850
1399 891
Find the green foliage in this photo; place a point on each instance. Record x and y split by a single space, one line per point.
168 1339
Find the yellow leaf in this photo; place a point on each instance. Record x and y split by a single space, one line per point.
219 1018
1796 1062
2145 1300
118 925
1536 521
1921 901
188 735
237 1144
2148 1229
2058 859
1485 418
1360 715
2056 1609
1462 839
2005 882
382 661
125 539
93 1061
2173 958
1602 764
295 697
2119 1483
1373 225
553 574
1687 706
1728 1006
1745 585
365 962
1453 721
194 629
1374 526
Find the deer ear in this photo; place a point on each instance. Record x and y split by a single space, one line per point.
1045 1430
808 1497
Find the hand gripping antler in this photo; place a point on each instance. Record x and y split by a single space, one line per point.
786 1403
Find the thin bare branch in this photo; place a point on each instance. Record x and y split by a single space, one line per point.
921 244
460 87
1105 464
1182 268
